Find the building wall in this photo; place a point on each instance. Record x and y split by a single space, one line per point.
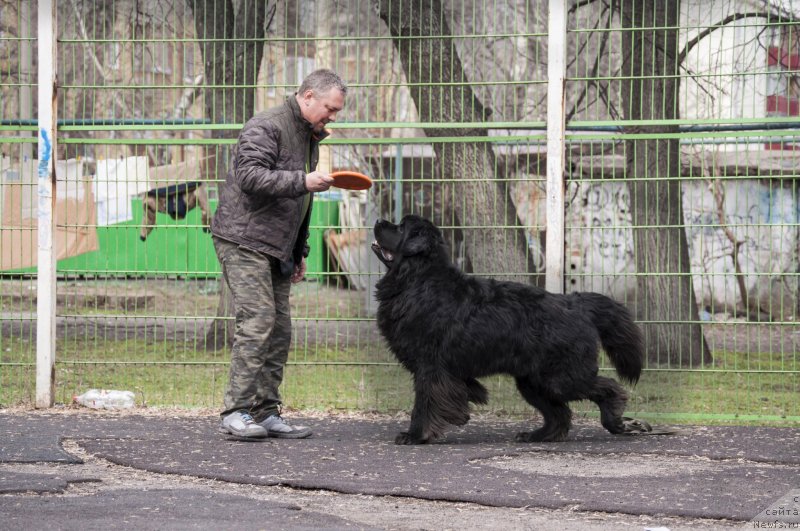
760 215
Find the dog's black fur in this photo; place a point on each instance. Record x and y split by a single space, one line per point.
448 329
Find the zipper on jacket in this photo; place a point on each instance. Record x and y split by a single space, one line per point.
299 224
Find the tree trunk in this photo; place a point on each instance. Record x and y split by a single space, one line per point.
495 244
228 64
665 295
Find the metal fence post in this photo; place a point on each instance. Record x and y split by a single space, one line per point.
46 194
556 72
398 184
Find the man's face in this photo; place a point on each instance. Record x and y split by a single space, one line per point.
320 109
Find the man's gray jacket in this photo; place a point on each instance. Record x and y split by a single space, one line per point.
261 204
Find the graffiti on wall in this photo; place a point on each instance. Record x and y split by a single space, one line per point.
599 240
761 218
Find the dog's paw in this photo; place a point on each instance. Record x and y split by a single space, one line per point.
527 436
631 426
405 438
540 436
456 420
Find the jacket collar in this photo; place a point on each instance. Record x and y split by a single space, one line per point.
291 101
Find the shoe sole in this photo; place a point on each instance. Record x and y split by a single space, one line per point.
228 431
294 435
260 440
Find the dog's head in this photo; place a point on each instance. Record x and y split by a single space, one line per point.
414 236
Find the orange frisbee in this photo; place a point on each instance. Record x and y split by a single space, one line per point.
351 180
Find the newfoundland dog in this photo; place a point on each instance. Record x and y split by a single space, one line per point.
448 329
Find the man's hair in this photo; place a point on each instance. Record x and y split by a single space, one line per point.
321 81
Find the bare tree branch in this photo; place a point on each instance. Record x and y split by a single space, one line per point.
716 189
595 68
89 50
772 17
187 99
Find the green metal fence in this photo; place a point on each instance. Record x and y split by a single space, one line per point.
677 194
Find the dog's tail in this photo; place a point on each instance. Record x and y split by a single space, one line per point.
619 335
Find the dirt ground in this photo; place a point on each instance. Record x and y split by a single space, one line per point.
382 512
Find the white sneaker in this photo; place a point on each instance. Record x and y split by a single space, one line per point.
241 424
277 427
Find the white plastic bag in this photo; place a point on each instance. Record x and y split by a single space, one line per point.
105 399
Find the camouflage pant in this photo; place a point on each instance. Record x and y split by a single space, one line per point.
263 329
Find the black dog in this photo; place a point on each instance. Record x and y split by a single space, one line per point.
448 329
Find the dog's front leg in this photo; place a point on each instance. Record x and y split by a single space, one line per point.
418 431
440 400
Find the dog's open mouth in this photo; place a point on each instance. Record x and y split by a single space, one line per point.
383 252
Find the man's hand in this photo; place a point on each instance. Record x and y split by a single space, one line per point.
317 181
299 272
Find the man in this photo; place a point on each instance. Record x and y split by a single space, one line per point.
260 231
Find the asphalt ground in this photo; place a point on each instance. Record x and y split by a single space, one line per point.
714 476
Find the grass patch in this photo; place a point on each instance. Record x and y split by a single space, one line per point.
739 385
755 388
